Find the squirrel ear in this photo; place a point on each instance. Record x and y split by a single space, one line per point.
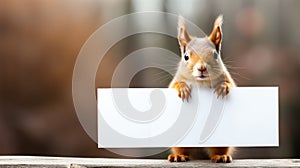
183 36
216 34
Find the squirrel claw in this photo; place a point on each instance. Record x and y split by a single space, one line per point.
184 91
178 158
221 159
222 90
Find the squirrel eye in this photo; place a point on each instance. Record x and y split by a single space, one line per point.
216 55
186 57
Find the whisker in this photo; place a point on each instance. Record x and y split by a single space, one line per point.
166 65
239 75
228 67
160 73
163 78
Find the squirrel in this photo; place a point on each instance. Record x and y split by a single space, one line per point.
201 64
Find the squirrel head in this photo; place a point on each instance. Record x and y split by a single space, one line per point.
201 59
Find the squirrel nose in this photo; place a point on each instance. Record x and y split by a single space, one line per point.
202 69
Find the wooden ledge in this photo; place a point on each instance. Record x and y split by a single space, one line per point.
67 162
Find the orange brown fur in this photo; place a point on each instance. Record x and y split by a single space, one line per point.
201 66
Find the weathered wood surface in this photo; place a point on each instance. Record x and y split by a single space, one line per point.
66 162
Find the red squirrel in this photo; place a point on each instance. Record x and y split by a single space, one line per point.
201 64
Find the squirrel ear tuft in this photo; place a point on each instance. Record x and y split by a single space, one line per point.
183 36
216 34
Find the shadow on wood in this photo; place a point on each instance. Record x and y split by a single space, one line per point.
67 162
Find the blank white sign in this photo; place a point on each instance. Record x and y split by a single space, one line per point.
157 117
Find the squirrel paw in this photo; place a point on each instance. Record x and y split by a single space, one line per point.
184 91
178 158
221 159
222 90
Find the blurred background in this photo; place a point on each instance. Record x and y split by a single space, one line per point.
40 40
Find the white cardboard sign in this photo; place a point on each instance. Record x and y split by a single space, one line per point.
157 117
